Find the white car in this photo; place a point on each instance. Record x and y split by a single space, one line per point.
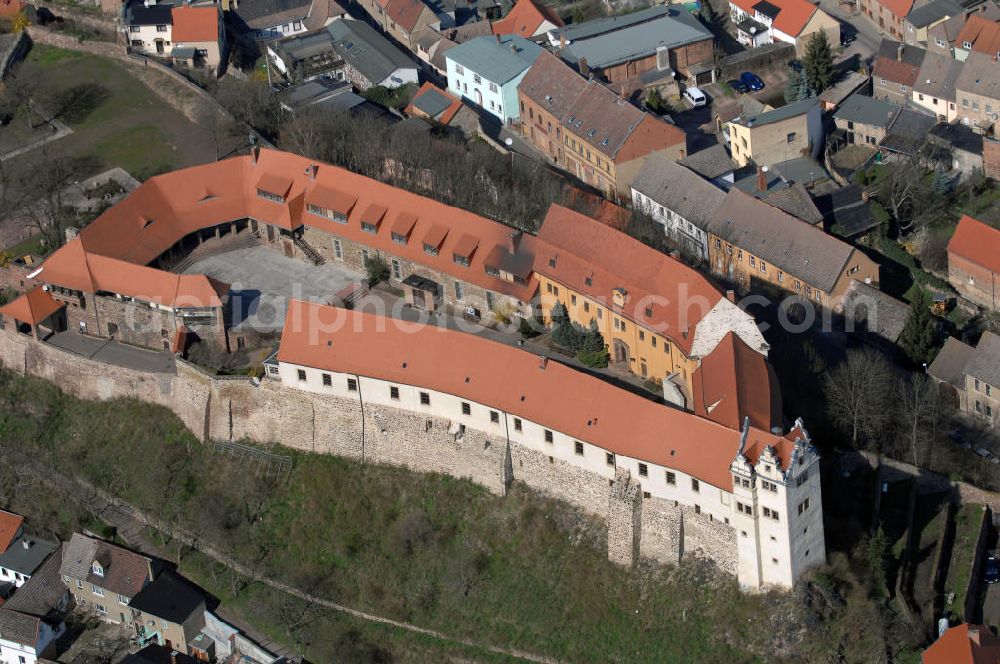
695 96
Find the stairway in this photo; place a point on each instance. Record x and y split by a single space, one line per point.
310 252
213 248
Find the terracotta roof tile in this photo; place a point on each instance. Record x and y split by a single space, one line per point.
734 382
526 19
957 646
445 116
512 380
10 523
897 67
976 242
983 34
793 15
195 24
33 307
899 8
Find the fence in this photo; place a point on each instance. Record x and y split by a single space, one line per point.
762 57
268 464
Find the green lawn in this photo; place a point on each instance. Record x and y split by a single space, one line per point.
968 520
520 572
917 276
32 245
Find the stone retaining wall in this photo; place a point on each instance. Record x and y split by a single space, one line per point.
233 409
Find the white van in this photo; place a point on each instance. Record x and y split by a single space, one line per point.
695 96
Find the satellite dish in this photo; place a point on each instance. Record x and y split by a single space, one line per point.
508 141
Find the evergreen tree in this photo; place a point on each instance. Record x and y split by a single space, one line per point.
818 62
707 13
942 182
593 352
917 337
565 332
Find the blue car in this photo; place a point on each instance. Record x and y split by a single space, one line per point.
752 81
738 85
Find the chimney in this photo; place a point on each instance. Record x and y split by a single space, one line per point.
762 179
71 233
173 657
562 41
255 154
731 296
542 361
683 153
311 171
497 37
899 52
974 635
584 67
513 240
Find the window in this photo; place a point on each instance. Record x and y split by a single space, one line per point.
781 276
517 424
430 249
267 195
979 407
609 458
989 390
365 255
161 28
458 290
578 448
801 479
671 478
753 262
642 335
352 385
548 436
97 590
804 506
79 585
493 87
460 70
494 417
476 78
466 408
338 251
695 485
965 44
790 138
743 508
123 600
101 609
394 392
327 380
301 374
643 470
763 267
425 399
297 25
572 299
96 567
397 272
771 514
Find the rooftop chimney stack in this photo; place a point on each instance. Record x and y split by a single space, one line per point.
584 67
542 361
312 171
899 52
513 240
255 154
683 153
762 179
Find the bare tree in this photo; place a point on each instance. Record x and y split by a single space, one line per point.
898 189
920 413
857 392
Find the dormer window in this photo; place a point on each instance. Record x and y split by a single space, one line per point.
464 249
270 196
967 44
97 568
460 259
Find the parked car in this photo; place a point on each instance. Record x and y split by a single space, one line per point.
991 570
752 81
846 39
795 65
695 96
738 85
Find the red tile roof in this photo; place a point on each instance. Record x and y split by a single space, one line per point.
964 644
11 8
10 523
976 242
525 19
33 307
983 33
195 24
677 296
793 15
514 381
405 13
734 382
899 8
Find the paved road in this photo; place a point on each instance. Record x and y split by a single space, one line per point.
113 352
866 34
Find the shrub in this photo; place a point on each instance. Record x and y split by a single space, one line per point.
594 359
377 269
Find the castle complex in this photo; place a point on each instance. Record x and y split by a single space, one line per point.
711 472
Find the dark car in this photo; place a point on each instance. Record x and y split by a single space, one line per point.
752 81
738 85
991 570
846 39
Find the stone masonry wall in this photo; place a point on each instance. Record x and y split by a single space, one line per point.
233 409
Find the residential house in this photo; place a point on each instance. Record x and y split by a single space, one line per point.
266 20
713 164
865 120
369 58
888 15
777 135
760 22
589 131
925 17
934 89
44 595
957 147
169 612
849 83
980 34
486 71
148 28
199 37
405 20
157 654
331 95
753 243
771 186
895 71
307 57
964 644
978 92
659 318
943 37
104 577
973 374
36 314
647 48
528 18
846 211
431 46
974 262
679 199
20 553
25 639
873 316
